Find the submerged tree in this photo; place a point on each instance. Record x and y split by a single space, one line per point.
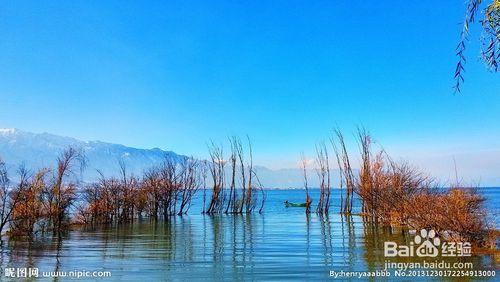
27 213
323 171
216 166
306 186
340 168
4 196
9 197
188 182
241 172
347 175
250 201
164 190
397 194
42 200
62 193
232 204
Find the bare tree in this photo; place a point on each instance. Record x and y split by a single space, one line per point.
151 184
217 166
236 202
4 196
232 204
341 176
348 176
306 186
240 155
64 193
365 185
260 187
189 183
28 207
323 171
250 202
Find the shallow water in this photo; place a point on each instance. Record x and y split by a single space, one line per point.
280 244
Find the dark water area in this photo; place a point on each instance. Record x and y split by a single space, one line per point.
279 244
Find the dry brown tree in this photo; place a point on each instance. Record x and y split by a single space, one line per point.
170 173
189 183
152 187
65 191
217 167
232 205
164 191
365 187
347 176
129 186
7 200
259 187
397 194
384 185
340 169
30 215
241 172
243 183
248 178
306 186
323 171
457 214
249 200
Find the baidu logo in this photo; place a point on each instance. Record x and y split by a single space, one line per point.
427 244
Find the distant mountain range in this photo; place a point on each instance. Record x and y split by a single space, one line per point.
41 150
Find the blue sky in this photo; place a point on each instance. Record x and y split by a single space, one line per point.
174 74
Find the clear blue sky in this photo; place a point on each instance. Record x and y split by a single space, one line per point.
174 74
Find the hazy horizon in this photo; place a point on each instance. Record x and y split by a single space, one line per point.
283 181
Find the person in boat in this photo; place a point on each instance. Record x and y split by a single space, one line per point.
290 204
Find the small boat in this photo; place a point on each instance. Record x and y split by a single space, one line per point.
295 205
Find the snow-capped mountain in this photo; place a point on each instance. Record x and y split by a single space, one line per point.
41 150
37 150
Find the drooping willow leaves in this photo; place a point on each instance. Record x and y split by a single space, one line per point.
490 37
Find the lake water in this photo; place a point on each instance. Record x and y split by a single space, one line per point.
280 244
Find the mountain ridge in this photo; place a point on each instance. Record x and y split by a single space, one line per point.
37 150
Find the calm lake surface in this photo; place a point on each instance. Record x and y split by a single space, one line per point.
280 244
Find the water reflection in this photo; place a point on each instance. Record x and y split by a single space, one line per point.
349 251
233 247
326 239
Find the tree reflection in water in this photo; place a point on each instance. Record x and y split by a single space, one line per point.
236 247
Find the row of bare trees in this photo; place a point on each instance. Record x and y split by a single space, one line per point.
241 190
162 191
51 199
323 172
